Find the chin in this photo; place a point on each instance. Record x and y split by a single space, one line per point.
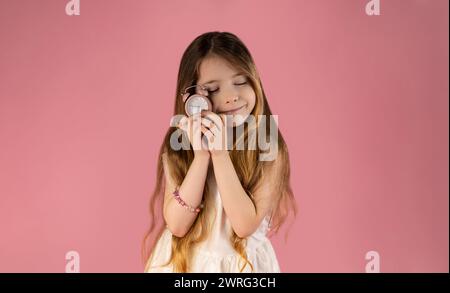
238 119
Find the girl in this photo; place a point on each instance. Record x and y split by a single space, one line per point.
218 204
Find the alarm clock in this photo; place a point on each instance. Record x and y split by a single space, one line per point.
195 103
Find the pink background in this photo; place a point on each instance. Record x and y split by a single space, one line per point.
362 102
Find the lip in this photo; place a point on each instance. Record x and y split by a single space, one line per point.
230 112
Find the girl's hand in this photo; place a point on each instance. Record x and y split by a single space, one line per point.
215 132
194 129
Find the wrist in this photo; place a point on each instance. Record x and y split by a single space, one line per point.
219 154
202 155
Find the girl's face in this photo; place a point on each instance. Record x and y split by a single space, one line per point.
228 90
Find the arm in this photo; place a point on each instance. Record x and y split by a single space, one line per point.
245 217
178 219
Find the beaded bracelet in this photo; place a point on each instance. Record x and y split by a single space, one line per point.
184 204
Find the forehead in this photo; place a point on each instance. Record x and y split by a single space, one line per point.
215 68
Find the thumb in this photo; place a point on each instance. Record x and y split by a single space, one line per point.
183 123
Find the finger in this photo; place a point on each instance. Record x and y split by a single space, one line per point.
192 124
194 120
196 126
205 143
208 123
210 126
210 138
213 117
196 117
176 120
195 133
183 123
204 129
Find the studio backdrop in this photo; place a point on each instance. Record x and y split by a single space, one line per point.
360 89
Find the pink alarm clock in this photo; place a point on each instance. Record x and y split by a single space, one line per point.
197 102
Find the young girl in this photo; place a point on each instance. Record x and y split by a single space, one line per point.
218 204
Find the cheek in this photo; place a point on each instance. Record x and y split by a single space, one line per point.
214 105
250 98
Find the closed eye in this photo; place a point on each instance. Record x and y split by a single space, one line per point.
212 91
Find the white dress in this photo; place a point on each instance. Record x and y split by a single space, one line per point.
216 254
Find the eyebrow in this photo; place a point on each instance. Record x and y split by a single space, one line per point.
211 81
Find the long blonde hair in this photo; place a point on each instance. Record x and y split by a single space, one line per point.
246 163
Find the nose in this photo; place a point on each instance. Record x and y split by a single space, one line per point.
231 99
230 96
226 99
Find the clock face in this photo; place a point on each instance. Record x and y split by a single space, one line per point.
195 104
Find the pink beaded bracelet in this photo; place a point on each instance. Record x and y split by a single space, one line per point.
184 204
